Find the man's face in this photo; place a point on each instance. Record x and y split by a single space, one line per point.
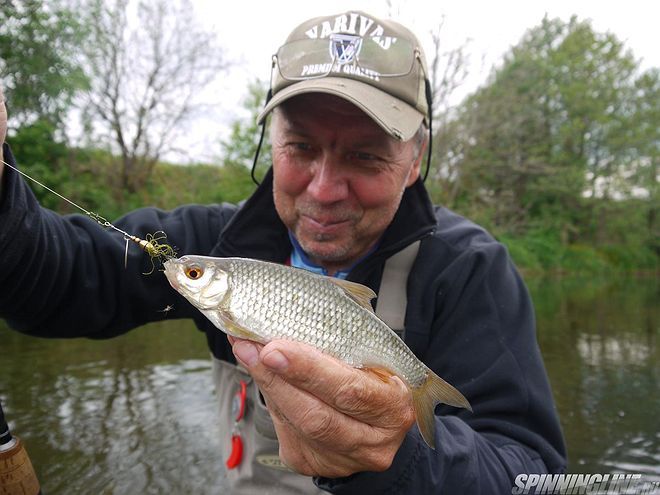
338 177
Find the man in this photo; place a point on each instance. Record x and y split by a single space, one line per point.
344 197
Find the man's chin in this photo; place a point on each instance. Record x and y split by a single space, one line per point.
323 251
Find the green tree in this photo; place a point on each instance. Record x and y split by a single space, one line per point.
554 121
42 156
646 150
40 70
239 148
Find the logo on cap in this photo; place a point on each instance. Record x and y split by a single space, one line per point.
344 48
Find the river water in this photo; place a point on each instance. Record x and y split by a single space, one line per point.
136 414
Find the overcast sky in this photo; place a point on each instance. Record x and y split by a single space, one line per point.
252 30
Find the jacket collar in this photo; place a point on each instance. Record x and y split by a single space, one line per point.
256 231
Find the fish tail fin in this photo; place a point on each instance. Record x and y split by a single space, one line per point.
426 396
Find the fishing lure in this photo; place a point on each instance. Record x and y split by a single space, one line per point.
153 245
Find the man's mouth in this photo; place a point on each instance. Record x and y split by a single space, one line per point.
323 225
326 221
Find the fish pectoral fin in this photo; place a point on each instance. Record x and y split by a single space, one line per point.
361 294
236 330
382 374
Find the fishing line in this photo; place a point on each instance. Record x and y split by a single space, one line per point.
152 245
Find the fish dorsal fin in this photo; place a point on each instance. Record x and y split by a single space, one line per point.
361 294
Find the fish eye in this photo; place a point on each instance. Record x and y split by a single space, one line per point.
194 272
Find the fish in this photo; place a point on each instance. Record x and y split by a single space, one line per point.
264 301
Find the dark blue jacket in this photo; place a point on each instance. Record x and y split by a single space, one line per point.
469 318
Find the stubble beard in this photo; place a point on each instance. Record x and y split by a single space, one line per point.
329 248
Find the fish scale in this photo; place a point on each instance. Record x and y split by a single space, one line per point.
315 309
264 301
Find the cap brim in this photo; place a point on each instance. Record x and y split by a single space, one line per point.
397 118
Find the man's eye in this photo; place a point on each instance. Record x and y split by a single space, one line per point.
363 156
301 146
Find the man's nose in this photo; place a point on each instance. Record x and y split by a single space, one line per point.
329 183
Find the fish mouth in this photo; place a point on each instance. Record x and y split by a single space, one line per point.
170 274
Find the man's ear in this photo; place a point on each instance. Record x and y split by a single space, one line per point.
417 165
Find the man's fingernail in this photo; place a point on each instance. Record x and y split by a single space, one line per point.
276 361
246 353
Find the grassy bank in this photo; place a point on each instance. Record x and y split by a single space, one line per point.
536 254
91 179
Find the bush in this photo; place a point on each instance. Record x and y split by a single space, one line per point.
581 259
522 256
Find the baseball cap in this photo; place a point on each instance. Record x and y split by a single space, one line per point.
378 65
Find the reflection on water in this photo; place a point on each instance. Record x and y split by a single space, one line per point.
131 415
600 345
596 350
136 414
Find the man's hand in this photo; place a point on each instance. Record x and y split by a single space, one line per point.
3 128
331 420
